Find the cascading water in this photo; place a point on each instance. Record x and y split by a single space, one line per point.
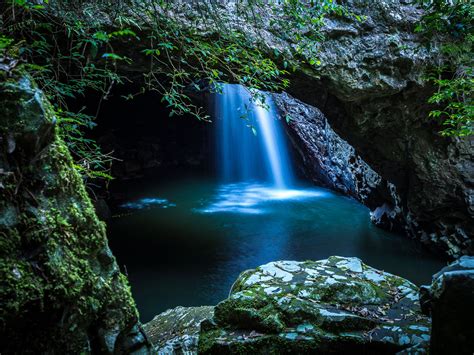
253 160
252 145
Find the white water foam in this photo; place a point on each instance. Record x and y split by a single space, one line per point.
253 198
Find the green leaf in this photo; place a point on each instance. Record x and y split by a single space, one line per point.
112 56
151 51
100 36
5 42
123 33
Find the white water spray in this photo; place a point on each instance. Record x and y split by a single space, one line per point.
251 155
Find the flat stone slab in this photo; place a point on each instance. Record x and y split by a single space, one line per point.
333 305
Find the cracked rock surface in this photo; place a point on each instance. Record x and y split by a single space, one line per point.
176 331
334 305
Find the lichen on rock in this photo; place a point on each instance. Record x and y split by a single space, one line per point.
60 283
176 331
333 305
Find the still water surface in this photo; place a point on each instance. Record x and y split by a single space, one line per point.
185 241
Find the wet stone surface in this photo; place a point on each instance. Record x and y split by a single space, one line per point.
333 305
175 331
449 302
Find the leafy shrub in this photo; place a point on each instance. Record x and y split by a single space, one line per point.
451 24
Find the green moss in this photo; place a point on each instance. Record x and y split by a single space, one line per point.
59 282
250 313
265 344
336 305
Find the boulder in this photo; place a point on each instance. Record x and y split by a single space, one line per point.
337 305
449 301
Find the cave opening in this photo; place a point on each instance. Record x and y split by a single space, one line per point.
263 231
182 235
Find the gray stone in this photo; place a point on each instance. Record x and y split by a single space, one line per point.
176 331
370 87
449 301
326 158
333 305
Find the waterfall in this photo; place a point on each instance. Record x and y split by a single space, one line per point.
253 161
251 142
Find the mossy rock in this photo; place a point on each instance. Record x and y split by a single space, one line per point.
61 289
176 331
333 305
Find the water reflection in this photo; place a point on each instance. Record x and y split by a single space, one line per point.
255 198
147 202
